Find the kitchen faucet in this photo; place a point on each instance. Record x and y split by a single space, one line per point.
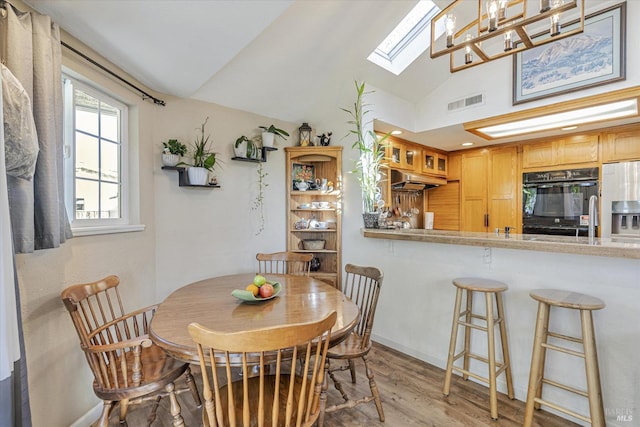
593 217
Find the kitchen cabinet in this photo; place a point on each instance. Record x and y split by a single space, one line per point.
454 167
315 213
434 163
561 152
621 146
402 155
489 189
444 202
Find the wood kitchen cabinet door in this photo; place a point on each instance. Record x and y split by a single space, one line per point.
489 189
503 188
577 149
538 155
621 146
444 202
473 191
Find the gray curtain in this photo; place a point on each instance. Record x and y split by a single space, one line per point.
30 48
14 392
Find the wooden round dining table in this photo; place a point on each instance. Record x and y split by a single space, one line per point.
210 303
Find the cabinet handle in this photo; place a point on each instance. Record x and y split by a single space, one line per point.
486 220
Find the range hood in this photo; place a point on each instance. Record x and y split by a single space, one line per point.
401 180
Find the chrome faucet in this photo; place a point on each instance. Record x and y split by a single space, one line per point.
593 217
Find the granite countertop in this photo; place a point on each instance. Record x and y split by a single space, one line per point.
609 247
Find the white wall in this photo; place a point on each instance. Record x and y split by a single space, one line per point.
494 79
416 308
202 233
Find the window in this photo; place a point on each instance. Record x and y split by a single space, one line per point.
95 134
408 40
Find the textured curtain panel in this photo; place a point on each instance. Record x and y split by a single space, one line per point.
30 48
14 394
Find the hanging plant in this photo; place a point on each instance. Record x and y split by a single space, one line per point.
258 203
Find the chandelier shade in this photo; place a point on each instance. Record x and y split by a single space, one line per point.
480 31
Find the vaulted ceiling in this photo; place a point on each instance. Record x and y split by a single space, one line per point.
272 57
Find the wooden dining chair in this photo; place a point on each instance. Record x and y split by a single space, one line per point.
275 397
285 263
127 367
362 286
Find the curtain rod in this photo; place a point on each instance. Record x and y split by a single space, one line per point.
145 95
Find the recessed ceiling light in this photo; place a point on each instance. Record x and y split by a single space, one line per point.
569 128
467 144
396 132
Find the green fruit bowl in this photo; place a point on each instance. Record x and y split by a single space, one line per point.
245 295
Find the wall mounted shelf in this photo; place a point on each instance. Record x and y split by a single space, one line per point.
263 158
183 178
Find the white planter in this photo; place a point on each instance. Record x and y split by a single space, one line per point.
268 139
198 176
170 159
241 149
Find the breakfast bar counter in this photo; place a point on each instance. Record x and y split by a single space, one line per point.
609 247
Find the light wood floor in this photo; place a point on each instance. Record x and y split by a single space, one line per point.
411 393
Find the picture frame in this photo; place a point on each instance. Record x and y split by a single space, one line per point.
597 57
302 172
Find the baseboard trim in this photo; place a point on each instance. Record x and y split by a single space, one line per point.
89 417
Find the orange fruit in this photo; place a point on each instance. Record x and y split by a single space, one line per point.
254 289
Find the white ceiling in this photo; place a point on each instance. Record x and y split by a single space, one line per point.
284 59
288 55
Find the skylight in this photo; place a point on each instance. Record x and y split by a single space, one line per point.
408 40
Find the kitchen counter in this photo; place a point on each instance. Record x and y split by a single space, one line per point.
608 247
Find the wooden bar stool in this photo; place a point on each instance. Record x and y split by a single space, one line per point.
491 289
586 304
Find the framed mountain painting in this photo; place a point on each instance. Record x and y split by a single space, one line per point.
591 58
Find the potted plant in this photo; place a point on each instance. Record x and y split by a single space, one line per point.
269 134
172 151
204 160
368 166
246 147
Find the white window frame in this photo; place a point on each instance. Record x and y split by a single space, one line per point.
84 227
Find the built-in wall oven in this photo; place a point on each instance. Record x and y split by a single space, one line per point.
557 202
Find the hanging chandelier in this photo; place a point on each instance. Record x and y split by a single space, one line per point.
499 28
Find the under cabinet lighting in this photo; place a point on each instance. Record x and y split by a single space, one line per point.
396 132
467 144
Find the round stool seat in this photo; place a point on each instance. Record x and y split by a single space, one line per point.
479 284
567 299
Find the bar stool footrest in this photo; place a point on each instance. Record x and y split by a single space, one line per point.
565 387
562 409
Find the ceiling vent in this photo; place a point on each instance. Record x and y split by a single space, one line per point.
467 102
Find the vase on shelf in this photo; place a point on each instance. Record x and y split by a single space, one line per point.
198 176
268 139
169 159
370 219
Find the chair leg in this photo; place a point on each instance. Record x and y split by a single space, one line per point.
352 368
103 421
154 409
338 385
323 394
505 345
535 373
193 387
491 345
467 334
124 405
452 342
175 406
594 392
374 388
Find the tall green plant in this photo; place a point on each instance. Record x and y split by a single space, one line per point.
371 148
202 157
